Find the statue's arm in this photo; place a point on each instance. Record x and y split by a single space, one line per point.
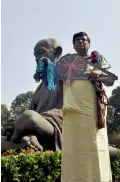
33 105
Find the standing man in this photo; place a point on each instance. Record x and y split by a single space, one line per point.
85 154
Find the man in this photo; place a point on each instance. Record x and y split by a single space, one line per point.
85 154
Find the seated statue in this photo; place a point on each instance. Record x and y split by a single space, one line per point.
39 127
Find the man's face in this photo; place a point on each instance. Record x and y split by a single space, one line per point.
81 45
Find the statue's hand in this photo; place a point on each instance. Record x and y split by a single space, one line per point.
37 76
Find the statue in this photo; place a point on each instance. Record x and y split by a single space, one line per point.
39 127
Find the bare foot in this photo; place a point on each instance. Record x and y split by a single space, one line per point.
32 142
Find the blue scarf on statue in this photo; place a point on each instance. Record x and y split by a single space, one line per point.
48 72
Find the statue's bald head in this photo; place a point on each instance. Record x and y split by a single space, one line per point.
50 48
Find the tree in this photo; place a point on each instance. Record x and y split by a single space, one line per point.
21 103
113 117
5 114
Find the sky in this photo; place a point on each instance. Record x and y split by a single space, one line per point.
25 22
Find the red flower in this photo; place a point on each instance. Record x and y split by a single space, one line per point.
29 151
94 57
5 154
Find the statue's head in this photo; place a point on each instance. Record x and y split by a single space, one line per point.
50 48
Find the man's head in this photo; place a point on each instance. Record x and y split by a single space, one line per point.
81 43
50 48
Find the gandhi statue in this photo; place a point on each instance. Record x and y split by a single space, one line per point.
40 127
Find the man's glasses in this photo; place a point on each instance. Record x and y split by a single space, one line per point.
81 39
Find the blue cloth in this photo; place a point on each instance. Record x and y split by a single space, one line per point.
48 70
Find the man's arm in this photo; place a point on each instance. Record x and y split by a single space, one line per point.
108 83
106 66
94 74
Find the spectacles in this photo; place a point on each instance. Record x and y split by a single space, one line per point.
81 39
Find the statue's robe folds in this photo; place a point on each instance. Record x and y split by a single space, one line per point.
85 153
49 104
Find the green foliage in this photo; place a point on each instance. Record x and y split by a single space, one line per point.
117 168
21 103
5 114
113 117
44 167
36 167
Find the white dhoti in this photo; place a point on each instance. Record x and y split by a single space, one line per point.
85 153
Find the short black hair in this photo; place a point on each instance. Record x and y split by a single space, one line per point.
80 34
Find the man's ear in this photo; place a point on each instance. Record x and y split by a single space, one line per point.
58 51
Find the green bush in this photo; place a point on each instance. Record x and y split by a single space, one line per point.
35 166
31 167
117 167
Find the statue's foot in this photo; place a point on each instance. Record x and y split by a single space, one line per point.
32 142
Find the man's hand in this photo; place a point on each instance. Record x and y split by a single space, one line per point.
94 74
